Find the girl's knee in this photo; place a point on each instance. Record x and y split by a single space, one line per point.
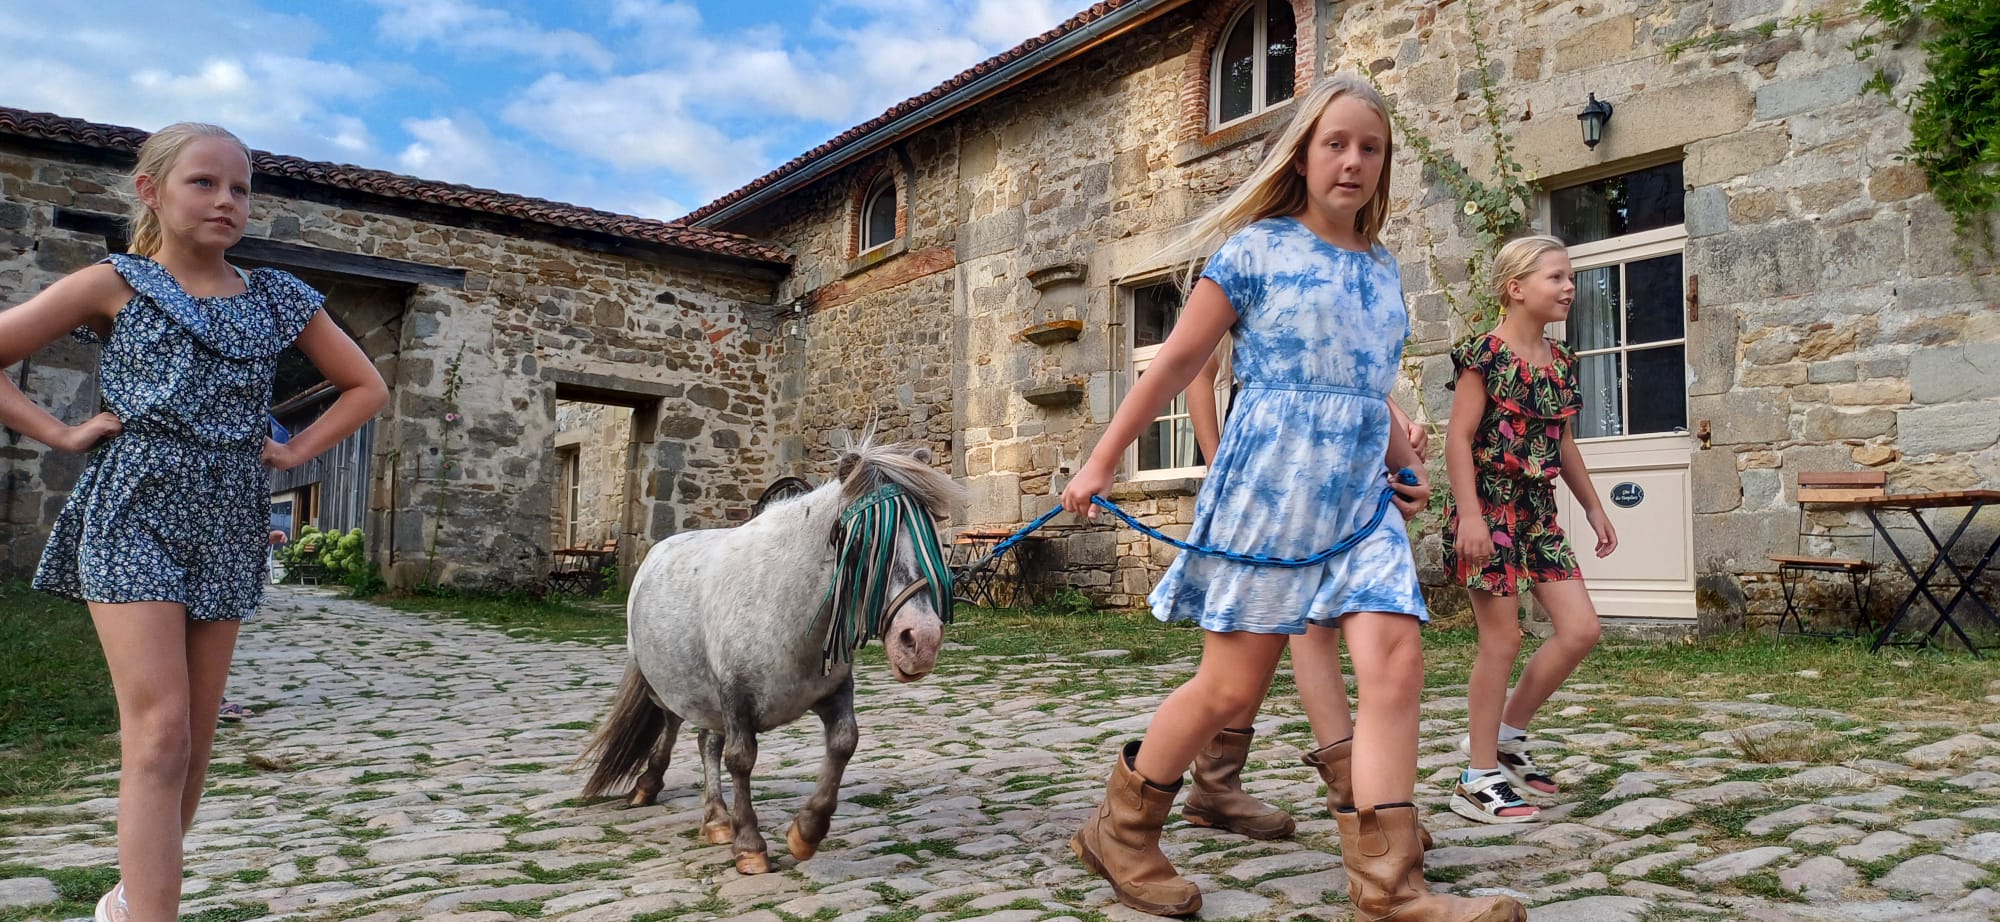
161 750
1582 642
1580 636
1500 641
1230 700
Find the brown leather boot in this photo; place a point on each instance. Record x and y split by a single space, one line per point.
1334 762
1385 873
1121 843
1217 798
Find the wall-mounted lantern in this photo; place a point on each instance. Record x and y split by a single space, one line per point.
1595 115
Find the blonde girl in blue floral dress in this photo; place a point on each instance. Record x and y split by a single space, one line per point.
164 532
1314 304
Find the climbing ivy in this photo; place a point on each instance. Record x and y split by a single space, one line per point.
1955 114
1493 211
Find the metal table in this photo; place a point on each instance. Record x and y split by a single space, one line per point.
1941 573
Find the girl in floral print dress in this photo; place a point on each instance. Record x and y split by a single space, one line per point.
164 533
1510 436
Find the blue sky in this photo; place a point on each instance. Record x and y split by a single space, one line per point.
648 107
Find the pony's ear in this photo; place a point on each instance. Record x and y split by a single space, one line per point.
923 453
849 461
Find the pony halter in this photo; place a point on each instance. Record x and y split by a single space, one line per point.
857 605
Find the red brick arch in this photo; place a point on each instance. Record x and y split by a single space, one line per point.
1200 60
857 196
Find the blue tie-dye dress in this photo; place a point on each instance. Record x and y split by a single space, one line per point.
1318 337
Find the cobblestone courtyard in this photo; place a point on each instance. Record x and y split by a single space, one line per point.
401 767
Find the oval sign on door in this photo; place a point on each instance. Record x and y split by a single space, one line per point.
1627 494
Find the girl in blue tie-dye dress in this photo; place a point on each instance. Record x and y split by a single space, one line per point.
1315 306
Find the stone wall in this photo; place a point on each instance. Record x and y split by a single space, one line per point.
689 343
1839 327
1830 283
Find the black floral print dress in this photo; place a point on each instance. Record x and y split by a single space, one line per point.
1516 458
177 507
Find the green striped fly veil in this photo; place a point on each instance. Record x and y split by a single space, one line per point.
855 603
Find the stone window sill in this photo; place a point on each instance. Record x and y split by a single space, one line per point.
1153 489
876 257
1241 133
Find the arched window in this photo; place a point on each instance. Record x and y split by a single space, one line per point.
1254 62
878 213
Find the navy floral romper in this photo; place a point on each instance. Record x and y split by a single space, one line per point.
176 508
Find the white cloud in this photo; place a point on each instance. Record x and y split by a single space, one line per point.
633 123
467 27
234 64
643 106
702 103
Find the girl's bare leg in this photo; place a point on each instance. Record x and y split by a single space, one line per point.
145 645
1498 617
1575 619
1388 658
1235 672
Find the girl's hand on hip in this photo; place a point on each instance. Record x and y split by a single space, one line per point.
1607 537
88 434
278 456
1087 483
1411 500
1475 541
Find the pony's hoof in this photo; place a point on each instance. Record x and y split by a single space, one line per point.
718 833
642 798
801 849
753 863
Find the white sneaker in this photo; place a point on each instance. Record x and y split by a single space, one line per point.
1482 799
108 909
1516 764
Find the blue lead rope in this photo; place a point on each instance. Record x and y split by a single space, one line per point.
1405 476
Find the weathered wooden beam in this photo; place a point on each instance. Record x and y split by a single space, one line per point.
282 255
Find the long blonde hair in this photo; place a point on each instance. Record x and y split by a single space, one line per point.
1275 187
157 157
1517 260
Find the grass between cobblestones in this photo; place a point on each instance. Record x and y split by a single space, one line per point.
1901 686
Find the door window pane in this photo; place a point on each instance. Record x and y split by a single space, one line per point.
1658 390
1653 305
1602 382
1639 201
1593 315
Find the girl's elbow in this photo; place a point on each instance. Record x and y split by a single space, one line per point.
372 394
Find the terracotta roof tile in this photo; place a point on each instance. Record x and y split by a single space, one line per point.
44 126
1095 12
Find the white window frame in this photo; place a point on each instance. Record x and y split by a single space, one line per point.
1260 71
884 184
1617 251
1139 358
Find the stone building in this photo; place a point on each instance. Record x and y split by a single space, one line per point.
483 311
1764 288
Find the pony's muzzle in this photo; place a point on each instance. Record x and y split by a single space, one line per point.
913 641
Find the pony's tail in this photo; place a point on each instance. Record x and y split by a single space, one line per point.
622 743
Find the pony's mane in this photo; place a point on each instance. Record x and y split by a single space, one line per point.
866 466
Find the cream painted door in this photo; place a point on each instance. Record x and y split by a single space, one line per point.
1628 329
1643 483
